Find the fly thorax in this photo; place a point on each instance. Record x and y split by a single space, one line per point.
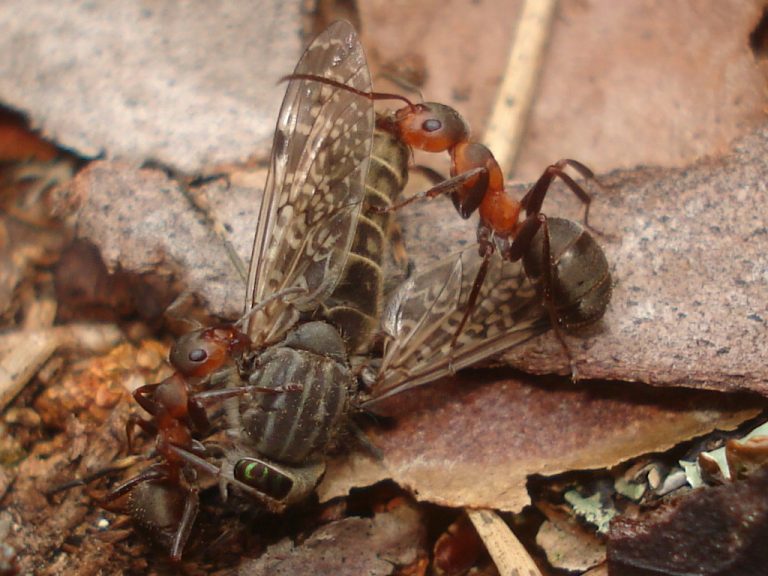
318 337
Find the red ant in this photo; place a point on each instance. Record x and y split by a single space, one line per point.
477 183
178 416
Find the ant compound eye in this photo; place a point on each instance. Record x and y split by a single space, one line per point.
198 355
192 354
432 125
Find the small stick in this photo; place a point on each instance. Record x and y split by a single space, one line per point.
23 353
513 102
505 549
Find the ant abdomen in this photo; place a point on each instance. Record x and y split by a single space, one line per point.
581 282
158 506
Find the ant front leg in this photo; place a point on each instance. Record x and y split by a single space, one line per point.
133 421
234 392
534 199
476 178
143 396
198 417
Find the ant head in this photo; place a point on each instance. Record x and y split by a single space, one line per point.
201 352
430 126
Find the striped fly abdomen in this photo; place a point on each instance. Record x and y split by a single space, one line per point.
309 406
355 305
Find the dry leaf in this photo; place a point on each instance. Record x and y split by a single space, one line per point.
465 444
88 402
143 224
689 306
568 546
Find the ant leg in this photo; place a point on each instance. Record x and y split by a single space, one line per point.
365 442
533 200
142 394
213 395
486 251
274 297
549 299
197 447
450 186
198 416
147 425
394 231
429 173
154 472
397 244
116 466
194 460
191 506
522 241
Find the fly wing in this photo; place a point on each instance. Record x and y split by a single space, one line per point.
315 187
422 316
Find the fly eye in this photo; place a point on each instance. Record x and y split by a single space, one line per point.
198 355
431 125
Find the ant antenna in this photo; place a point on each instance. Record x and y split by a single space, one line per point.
177 309
402 83
117 466
336 84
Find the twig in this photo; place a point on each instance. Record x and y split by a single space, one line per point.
22 353
513 102
505 549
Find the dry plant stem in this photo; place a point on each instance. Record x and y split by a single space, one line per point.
513 102
40 315
509 555
23 353
22 360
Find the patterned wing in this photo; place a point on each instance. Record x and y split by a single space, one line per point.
315 187
422 316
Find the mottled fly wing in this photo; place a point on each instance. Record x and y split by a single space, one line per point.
314 191
423 314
